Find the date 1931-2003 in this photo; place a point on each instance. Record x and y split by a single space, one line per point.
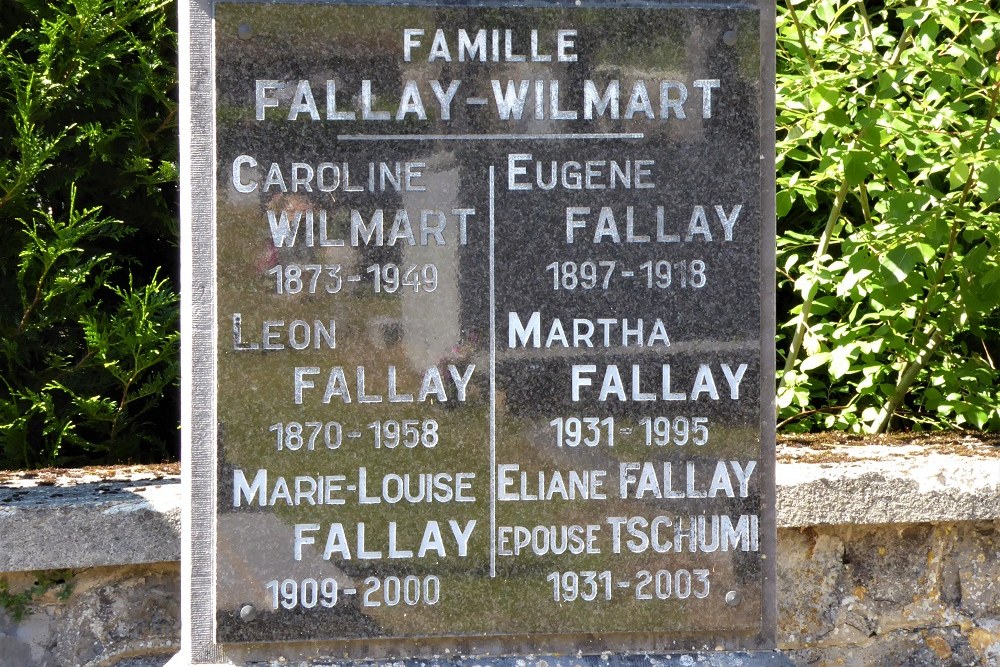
590 586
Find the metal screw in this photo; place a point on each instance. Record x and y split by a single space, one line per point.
248 612
244 31
734 598
729 38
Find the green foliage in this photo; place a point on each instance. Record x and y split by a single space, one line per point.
17 605
889 270
889 234
88 323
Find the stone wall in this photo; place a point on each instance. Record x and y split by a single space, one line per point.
110 616
906 594
885 558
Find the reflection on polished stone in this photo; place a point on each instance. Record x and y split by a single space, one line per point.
489 326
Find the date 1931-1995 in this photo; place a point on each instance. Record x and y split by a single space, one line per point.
659 431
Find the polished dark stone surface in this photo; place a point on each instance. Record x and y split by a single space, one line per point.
475 260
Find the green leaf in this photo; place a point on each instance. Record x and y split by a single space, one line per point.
857 166
958 175
900 261
927 252
841 358
783 202
814 361
989 179
823 98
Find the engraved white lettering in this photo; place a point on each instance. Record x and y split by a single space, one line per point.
613 387
433 385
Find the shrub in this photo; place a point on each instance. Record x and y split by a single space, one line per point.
88 318
889 235
888 182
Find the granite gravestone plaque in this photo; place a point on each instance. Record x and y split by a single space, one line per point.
485 346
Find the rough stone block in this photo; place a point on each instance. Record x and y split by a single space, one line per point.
916 595
112 616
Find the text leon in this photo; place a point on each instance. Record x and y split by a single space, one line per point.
281 334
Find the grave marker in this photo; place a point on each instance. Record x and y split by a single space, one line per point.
479 329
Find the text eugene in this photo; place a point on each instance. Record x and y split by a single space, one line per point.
508 99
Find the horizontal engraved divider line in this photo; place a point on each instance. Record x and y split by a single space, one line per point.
654 350
489 137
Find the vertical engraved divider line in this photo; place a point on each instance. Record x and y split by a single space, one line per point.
493 385
214 329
